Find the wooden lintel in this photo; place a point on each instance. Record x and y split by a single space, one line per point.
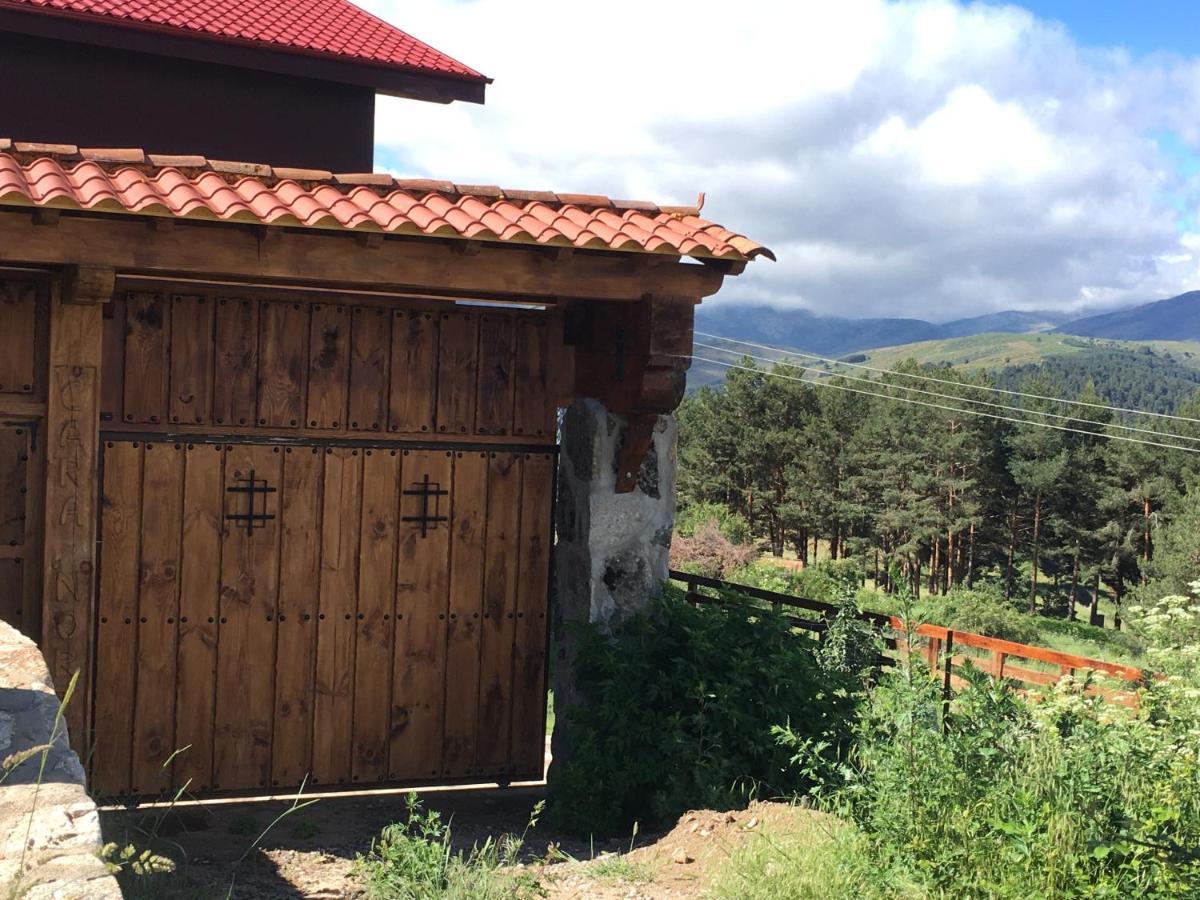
162 224
370 239
329 259
46 216
85 284
467 248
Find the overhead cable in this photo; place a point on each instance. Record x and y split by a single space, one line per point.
957 409
977 387
957 399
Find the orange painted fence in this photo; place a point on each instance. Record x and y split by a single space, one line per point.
945 650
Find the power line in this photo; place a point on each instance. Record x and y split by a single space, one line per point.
969 412
977 387
988 403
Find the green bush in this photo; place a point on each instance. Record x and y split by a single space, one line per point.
981 611
830 581
680 706
1063 796
732 526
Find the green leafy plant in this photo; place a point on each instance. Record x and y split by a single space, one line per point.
415 860
678 711
732 526
1061 795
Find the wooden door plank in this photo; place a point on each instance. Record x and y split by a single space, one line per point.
334 684
468 530
199 586
246 632
235 391
282 358
328 366
116 630
299 575
12 590
370 343
18 339
30 556
14 489
158 612
458 366
412 394
498 628
494 404
534 405
376 607
422 597
112 365
147 318
191 359
529 658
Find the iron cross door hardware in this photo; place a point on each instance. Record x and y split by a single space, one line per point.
426 489
252 487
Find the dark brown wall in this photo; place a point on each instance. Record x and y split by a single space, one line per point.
89 96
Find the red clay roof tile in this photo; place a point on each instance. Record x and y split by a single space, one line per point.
328 27
123 181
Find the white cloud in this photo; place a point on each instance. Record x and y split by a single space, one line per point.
902 158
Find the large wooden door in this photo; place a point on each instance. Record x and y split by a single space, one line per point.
339 613
325 538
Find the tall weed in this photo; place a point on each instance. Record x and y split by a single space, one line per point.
1062 795
415 860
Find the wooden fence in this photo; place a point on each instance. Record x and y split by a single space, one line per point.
945 650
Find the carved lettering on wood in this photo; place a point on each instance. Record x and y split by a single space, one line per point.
70 456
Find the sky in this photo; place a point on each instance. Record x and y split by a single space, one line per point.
923 158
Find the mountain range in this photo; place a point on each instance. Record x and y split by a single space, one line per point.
1176 319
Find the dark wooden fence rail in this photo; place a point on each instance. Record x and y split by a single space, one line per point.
945 650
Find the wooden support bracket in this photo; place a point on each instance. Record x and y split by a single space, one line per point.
633 358
85 285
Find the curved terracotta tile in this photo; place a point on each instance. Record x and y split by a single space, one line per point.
327 26
423 207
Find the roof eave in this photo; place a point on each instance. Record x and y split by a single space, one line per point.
395 81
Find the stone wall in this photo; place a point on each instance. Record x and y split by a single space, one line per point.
611 555
49 827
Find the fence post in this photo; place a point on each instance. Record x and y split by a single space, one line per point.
947 671
691 587
998 658
932 649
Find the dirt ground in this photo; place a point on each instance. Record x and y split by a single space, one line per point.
310 853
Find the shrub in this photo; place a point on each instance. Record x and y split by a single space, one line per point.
829 580
708 552
1170 628
680 705
982 611
733 527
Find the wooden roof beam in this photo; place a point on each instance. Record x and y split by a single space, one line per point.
235 251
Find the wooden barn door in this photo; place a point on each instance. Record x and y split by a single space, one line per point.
271 613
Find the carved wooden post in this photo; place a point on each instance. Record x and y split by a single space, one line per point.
72 486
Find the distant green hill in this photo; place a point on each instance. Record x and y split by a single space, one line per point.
1151 375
